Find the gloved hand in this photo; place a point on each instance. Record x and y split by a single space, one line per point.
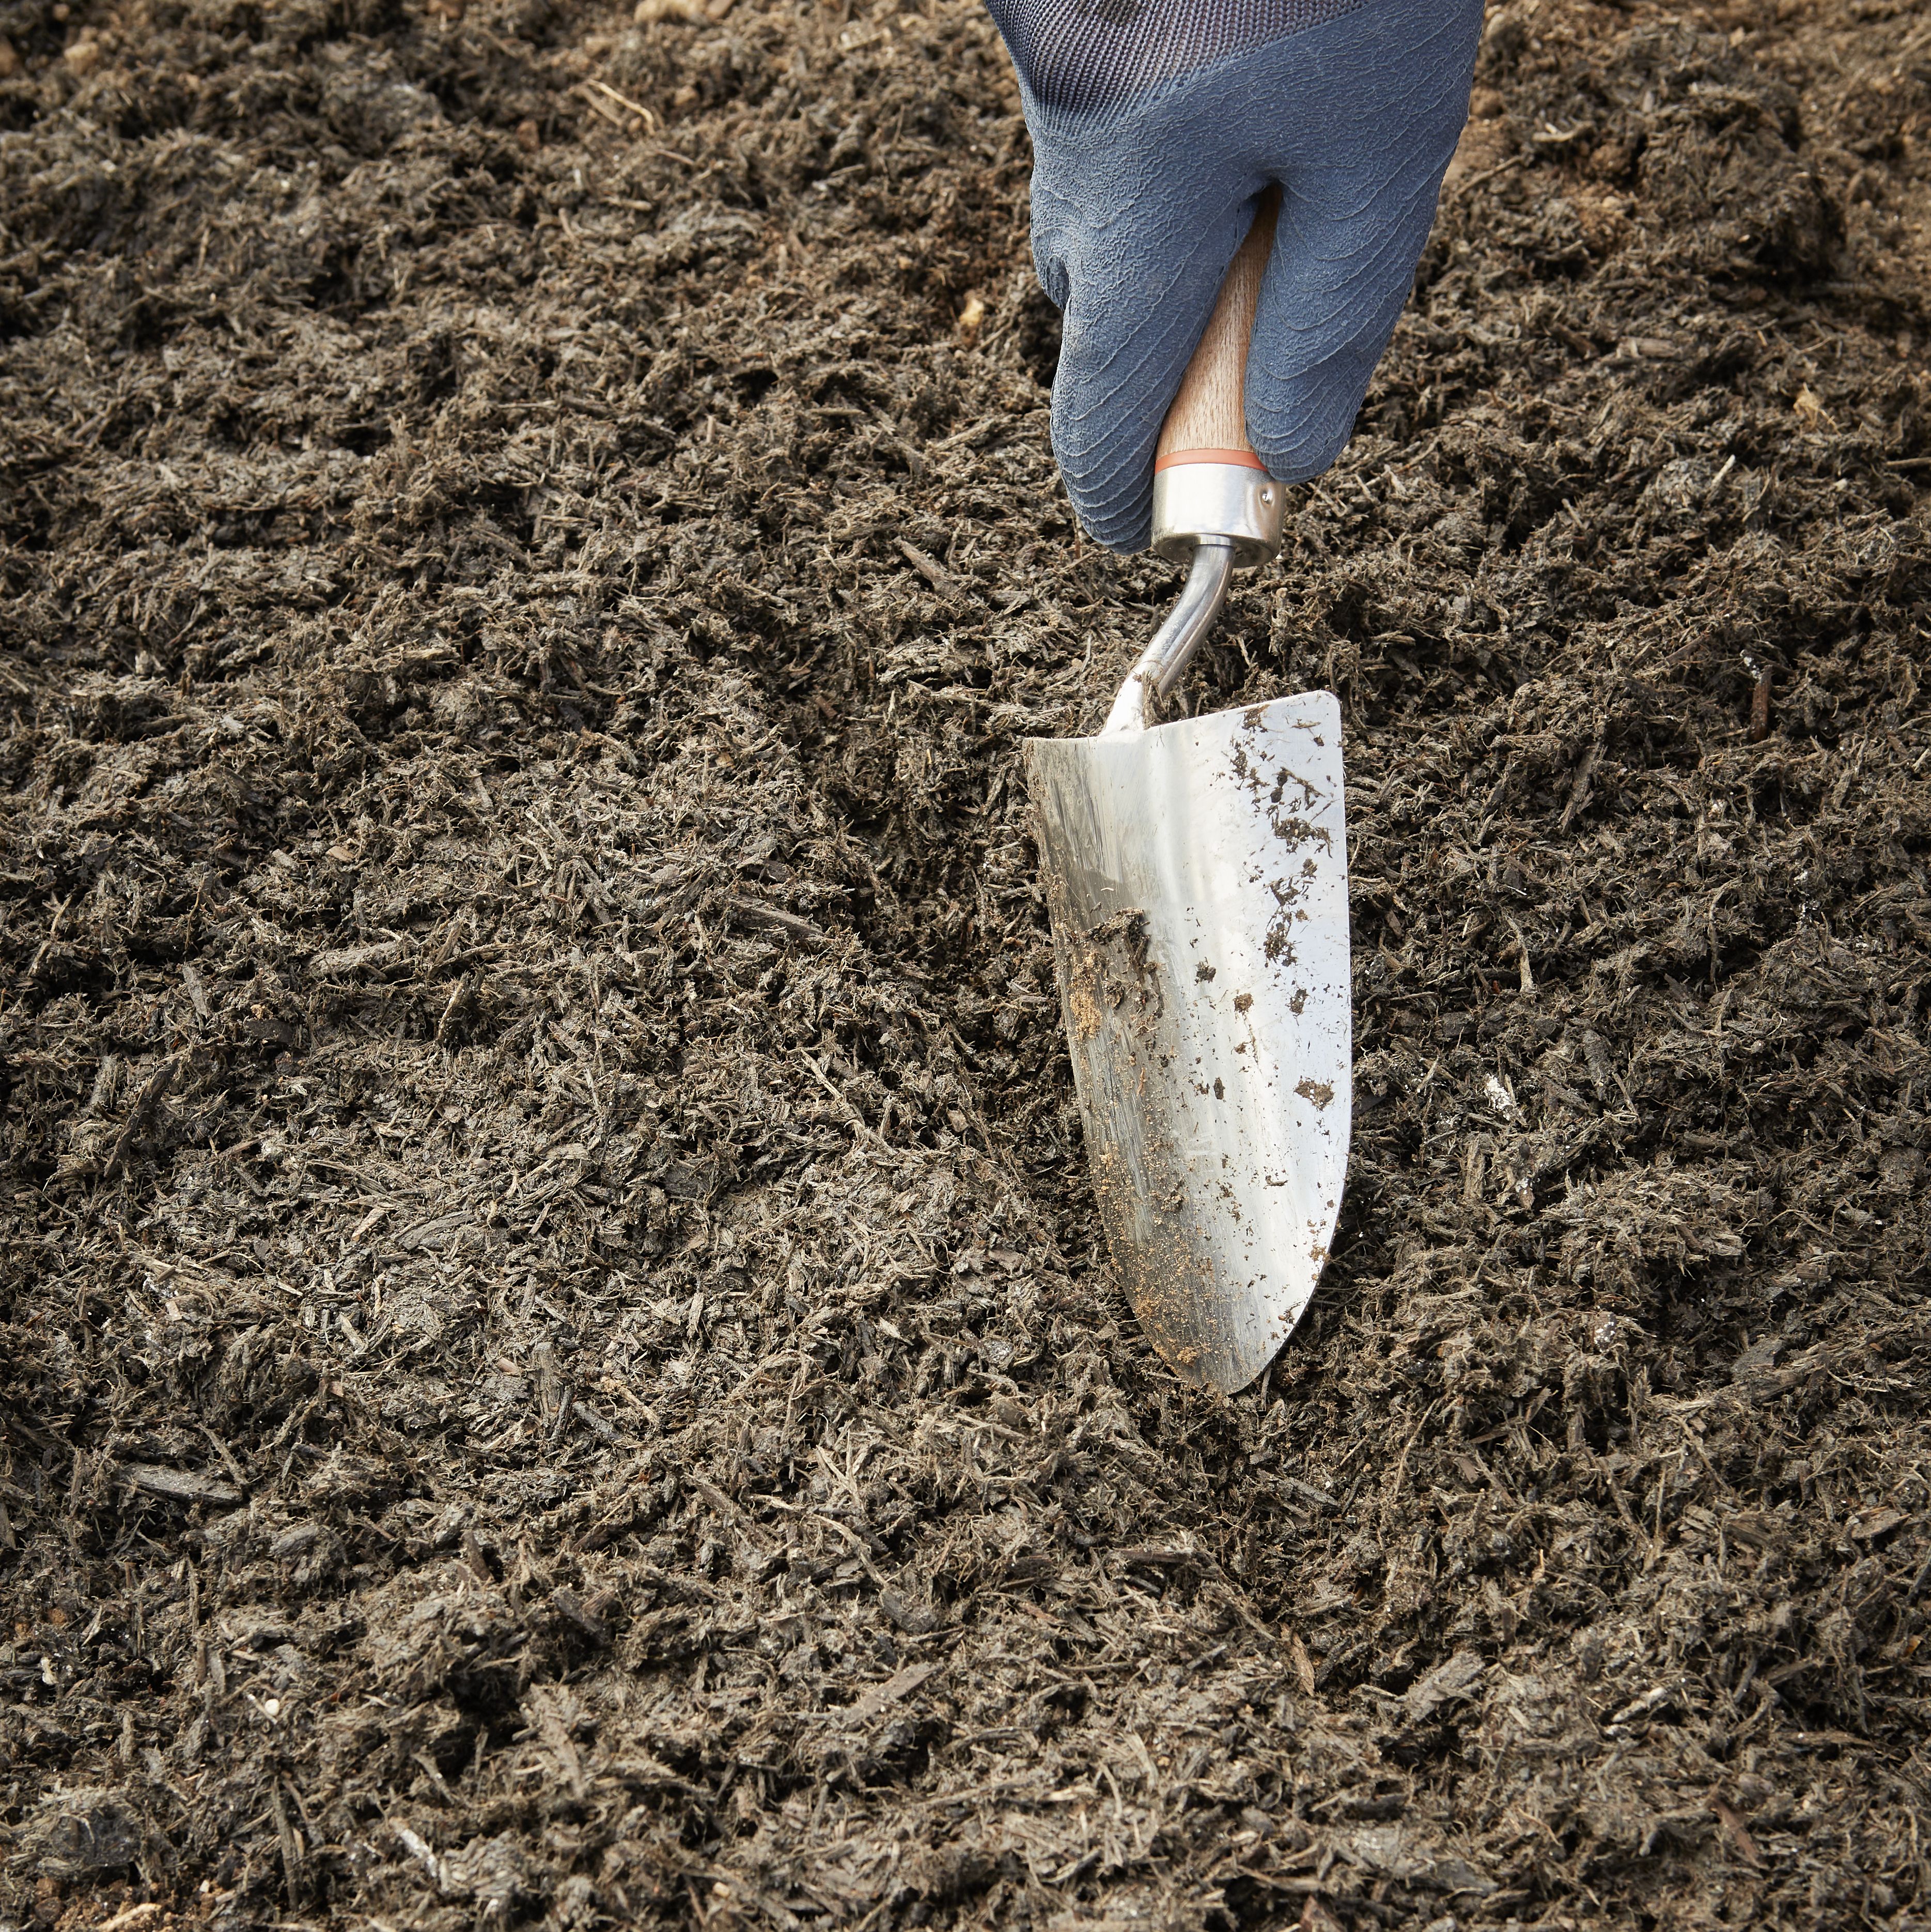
1156 125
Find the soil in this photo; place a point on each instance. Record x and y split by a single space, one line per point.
555 1360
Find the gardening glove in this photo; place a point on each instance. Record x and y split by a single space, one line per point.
1157 124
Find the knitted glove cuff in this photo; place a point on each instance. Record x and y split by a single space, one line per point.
1088 56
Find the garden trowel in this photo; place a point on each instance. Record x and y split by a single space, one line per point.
1196 873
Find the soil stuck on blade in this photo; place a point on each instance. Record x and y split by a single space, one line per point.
553 1361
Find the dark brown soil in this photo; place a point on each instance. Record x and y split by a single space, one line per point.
554 1364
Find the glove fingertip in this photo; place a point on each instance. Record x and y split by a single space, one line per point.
1301 421
1310 440
1118 520
1104 449
1300 424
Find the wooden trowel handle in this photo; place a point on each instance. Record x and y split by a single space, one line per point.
1207 423
1216 509
1210 489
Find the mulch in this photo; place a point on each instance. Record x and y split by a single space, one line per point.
556 1361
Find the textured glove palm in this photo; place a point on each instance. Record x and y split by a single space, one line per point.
1156 123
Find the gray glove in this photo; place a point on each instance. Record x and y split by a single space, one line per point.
1156 126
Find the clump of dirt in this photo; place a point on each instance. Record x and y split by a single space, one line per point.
554 1363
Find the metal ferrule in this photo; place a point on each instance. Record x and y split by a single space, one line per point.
1192 501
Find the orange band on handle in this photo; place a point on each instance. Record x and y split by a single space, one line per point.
1245 458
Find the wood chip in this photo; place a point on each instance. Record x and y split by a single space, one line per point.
930 568
896 1688
179 1486
345 959
754 912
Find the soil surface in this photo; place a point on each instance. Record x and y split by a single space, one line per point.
555 1363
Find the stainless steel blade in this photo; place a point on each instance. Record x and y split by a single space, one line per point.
1197 877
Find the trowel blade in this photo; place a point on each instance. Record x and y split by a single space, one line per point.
1197 877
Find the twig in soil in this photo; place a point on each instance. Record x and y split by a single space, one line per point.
53 934
1489 174
502 46
158 1082
228 1461
459 997
858 1546
1760 707
369 1220
1578 791
854 1119
1733 1826
1524 971
598 108
134 1915
930 568
434 1773
644 114
597 1425
556 1735
1394 1488
291 1851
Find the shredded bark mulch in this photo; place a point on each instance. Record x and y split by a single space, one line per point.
555 1363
